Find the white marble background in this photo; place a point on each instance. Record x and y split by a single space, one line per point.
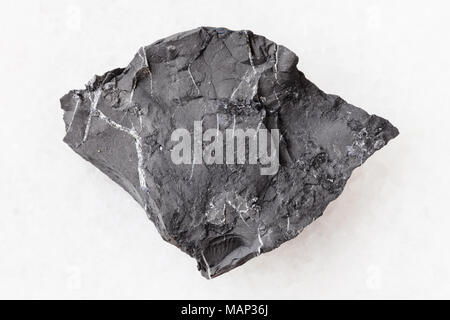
67 231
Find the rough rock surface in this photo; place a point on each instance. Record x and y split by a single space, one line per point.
222 215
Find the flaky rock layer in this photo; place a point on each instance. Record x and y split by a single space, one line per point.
221 215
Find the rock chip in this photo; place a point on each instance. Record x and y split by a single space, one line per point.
221 214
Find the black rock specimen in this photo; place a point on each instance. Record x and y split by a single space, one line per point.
222 215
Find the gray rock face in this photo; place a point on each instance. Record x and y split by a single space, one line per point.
222 214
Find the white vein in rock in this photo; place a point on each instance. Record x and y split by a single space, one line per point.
143 57
74 113
236 89
276 63
193 80
208 270
260 241
115 125
94 102
141 162
130 102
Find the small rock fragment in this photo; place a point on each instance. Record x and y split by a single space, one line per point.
221 214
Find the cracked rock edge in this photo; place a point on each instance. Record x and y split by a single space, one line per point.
221 215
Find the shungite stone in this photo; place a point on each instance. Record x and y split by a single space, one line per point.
221 215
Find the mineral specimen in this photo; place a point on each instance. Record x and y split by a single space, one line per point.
221 214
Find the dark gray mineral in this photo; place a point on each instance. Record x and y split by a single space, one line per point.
221 214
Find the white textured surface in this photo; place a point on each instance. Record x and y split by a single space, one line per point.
67 231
